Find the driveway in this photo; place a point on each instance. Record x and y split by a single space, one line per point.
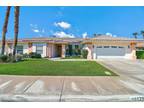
128 86
133 69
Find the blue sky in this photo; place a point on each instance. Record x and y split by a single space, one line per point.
75 21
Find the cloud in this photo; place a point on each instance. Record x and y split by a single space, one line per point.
64 25
35 30
114 35
34 25
63 35
109 34
84 35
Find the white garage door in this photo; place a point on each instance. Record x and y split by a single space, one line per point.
109 52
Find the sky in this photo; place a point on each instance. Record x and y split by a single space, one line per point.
74 21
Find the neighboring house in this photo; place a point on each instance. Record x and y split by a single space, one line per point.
99 47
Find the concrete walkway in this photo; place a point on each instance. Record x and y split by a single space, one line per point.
59 59
129 86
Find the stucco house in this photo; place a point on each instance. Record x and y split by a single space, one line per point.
99 47
112 47
47 47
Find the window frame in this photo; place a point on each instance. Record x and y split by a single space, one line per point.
19 50
39 51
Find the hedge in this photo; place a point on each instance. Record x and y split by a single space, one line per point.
140 54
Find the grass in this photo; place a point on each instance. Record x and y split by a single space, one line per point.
55 68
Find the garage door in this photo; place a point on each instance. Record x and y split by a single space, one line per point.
109 51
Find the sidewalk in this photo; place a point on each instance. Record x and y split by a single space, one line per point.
60 88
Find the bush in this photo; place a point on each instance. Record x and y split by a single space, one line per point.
77 51
140 54
25 55
84 53
3 58
19 57
34 55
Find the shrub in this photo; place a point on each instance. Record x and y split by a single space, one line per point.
19 57
25 55
3 58
77 51
140 54
84 53
34 55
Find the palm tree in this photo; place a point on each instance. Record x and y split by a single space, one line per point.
95 35
5 29
135 35
16 28
142 33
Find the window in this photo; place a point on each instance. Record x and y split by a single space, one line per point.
19 50
99 46
121 47
106 46
39 48
76 46
113 46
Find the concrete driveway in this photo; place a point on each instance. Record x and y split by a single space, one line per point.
128 86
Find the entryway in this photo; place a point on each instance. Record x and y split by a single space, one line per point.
58 50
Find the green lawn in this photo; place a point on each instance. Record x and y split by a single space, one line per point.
55 68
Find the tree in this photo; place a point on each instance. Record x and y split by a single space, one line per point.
5 29
16 28
135 34
95 35
142 33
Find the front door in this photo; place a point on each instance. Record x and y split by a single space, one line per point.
58 50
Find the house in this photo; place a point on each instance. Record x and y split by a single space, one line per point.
47 47
103 46
112 47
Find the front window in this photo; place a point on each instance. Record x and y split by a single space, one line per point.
19 49
114 46
76 46
99 46
39 49
106 46
121 47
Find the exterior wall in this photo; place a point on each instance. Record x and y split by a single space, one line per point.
127 53
51 52
34 47
25 49
63 51
89 48
9 49
44 50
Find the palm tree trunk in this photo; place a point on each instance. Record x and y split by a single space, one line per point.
5 29
135 36
16 29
